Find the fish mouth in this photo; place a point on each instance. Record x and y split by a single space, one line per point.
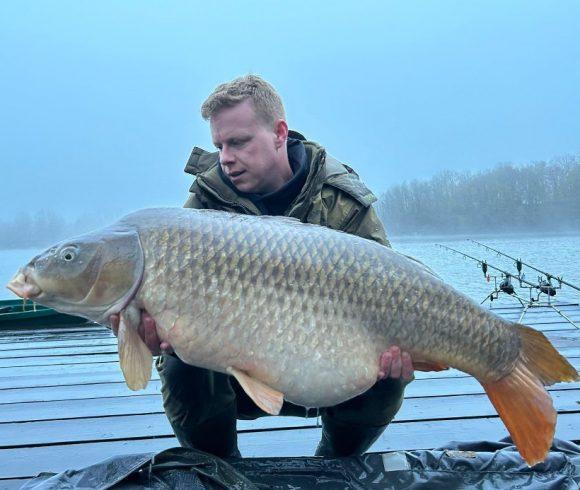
23 286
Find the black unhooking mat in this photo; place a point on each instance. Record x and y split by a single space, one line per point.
482 465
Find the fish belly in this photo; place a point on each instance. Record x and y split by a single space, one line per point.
314 363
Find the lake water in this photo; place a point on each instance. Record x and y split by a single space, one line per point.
559 255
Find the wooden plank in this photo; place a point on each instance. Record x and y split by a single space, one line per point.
461 386
454 373
539 312
461 406
557 303
537 323
543 306
29 462
50 335
397 437
79 327
56 351
545 319
105 373
22 373
115 428
60 344
550 327
54 360
54 337
26 462
75 392
75 409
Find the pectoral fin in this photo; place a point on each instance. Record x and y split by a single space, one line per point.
134 356
268 399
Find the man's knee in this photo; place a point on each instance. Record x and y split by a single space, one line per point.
353 426
192 395
376 407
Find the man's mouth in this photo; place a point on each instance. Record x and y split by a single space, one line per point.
237 173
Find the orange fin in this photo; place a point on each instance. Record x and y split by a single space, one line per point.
425 365
526 409
268 399
520 399
543 358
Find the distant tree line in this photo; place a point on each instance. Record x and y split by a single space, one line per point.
540 196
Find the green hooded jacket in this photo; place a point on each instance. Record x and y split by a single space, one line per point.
333 195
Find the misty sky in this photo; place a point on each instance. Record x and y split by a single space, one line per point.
99 101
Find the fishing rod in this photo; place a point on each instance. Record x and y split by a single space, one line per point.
485 266
519 263
506 286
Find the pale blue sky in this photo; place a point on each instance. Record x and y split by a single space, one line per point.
99 101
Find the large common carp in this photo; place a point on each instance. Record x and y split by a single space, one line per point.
291 310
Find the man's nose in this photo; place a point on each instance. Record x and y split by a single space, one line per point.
226 156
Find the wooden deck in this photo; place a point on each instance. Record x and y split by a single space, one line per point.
64 404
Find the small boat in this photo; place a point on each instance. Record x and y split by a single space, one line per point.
20 313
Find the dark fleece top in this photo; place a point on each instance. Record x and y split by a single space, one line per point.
277 202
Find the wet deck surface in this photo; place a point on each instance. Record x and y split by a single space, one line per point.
64 404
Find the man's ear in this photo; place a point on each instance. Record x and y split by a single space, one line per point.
281 132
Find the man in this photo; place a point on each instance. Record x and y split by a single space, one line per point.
263 168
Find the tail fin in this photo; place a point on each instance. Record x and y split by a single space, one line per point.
521 400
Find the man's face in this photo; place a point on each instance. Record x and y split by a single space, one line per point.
249 150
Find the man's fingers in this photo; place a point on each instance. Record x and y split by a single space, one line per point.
407 370
147 330
396 364
150 334
165 347
141 329
384 365
114 319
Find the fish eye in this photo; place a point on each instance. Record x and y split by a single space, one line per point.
68 254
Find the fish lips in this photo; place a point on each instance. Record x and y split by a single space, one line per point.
23 285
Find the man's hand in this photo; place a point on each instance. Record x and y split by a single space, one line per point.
396 364
148 333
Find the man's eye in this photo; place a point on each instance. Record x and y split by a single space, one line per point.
239 143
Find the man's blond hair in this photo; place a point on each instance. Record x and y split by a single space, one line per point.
266 101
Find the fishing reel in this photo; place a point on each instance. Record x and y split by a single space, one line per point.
506 286
545 286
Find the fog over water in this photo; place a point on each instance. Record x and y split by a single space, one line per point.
100 100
